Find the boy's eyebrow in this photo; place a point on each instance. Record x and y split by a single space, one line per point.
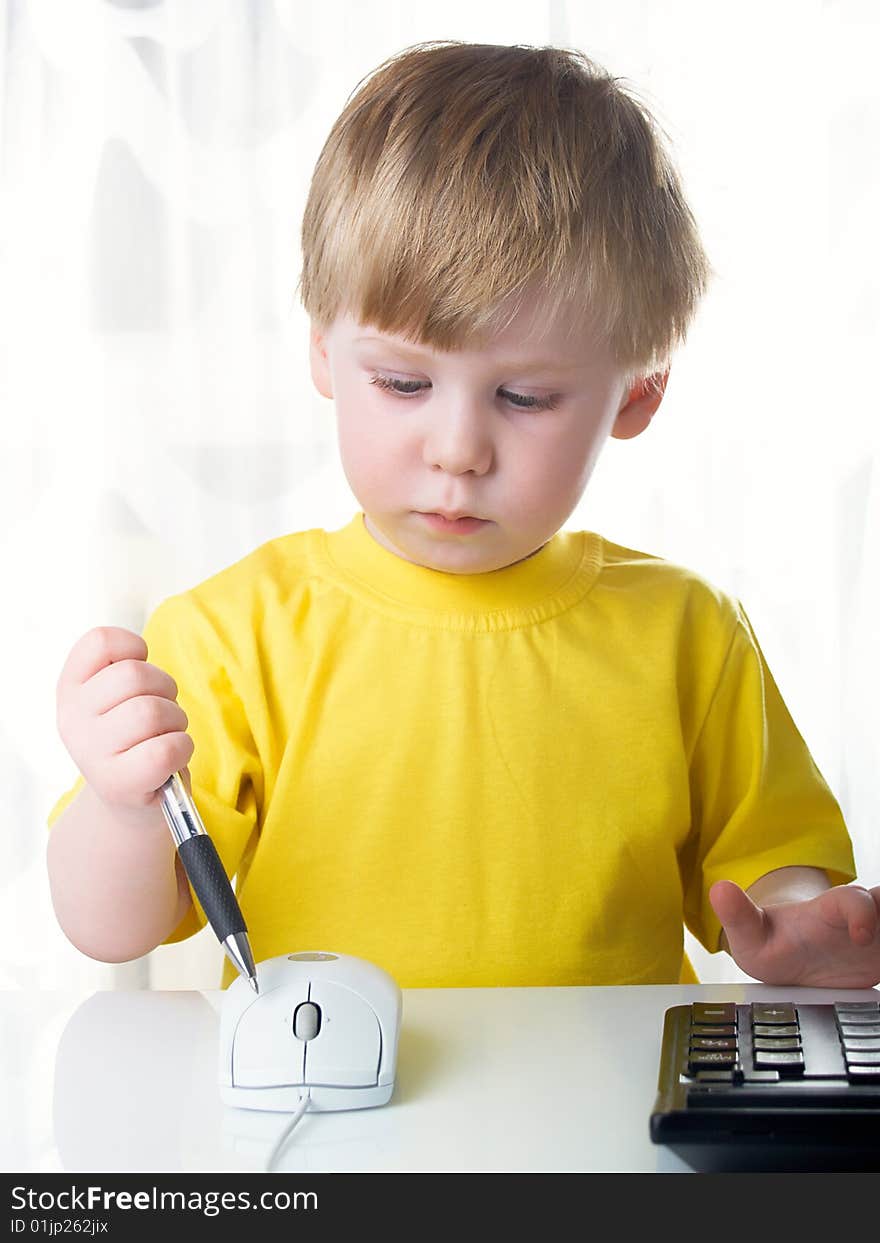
531 364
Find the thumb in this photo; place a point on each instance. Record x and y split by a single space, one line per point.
740 918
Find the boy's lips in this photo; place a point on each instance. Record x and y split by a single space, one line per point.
459 524
451 515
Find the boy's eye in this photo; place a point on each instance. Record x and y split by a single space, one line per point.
405 388
397 386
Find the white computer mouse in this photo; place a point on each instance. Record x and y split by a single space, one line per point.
328 1022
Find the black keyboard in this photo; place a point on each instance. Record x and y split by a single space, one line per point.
770 1085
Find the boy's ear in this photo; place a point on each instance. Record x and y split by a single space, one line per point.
318 362
640 406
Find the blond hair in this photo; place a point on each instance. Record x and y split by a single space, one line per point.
460 176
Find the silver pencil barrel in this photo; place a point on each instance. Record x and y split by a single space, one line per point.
179 810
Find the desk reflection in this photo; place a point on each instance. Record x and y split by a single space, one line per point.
131 1084
136 1091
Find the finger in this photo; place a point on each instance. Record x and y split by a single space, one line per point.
126 679
849 909
148 764
136 720
98 648
861 914
741 919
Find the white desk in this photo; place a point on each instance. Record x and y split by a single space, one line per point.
489 1080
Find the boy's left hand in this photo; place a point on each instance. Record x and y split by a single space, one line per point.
830 941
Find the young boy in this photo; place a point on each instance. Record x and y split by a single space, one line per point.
451 737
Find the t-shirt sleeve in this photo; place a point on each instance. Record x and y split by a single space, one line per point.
758 801
227 786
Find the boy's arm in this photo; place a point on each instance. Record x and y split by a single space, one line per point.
117 886
772 854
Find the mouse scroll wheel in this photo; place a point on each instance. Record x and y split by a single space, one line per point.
306 1020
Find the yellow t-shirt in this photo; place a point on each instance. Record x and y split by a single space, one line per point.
525 777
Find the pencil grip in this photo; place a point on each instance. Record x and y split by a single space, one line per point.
208 878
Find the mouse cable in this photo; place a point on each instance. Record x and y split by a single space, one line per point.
301 1107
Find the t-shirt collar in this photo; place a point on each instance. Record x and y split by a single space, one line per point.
388 576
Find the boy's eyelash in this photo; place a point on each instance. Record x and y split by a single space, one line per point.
517 399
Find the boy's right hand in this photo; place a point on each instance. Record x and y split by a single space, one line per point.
118 718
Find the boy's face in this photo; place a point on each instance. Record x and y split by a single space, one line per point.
507 434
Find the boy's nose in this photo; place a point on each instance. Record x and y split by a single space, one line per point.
459 442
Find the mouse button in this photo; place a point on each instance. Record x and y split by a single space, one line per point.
306 1021
346 1052
264 1053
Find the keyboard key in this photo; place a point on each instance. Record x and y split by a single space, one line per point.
713 1042
776 1012
713 1012
711 1059
720 1030
783 1060
858 1017
769 1029
777 1042
870 1006
860 1029
863 1074
871 1044
860 1057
